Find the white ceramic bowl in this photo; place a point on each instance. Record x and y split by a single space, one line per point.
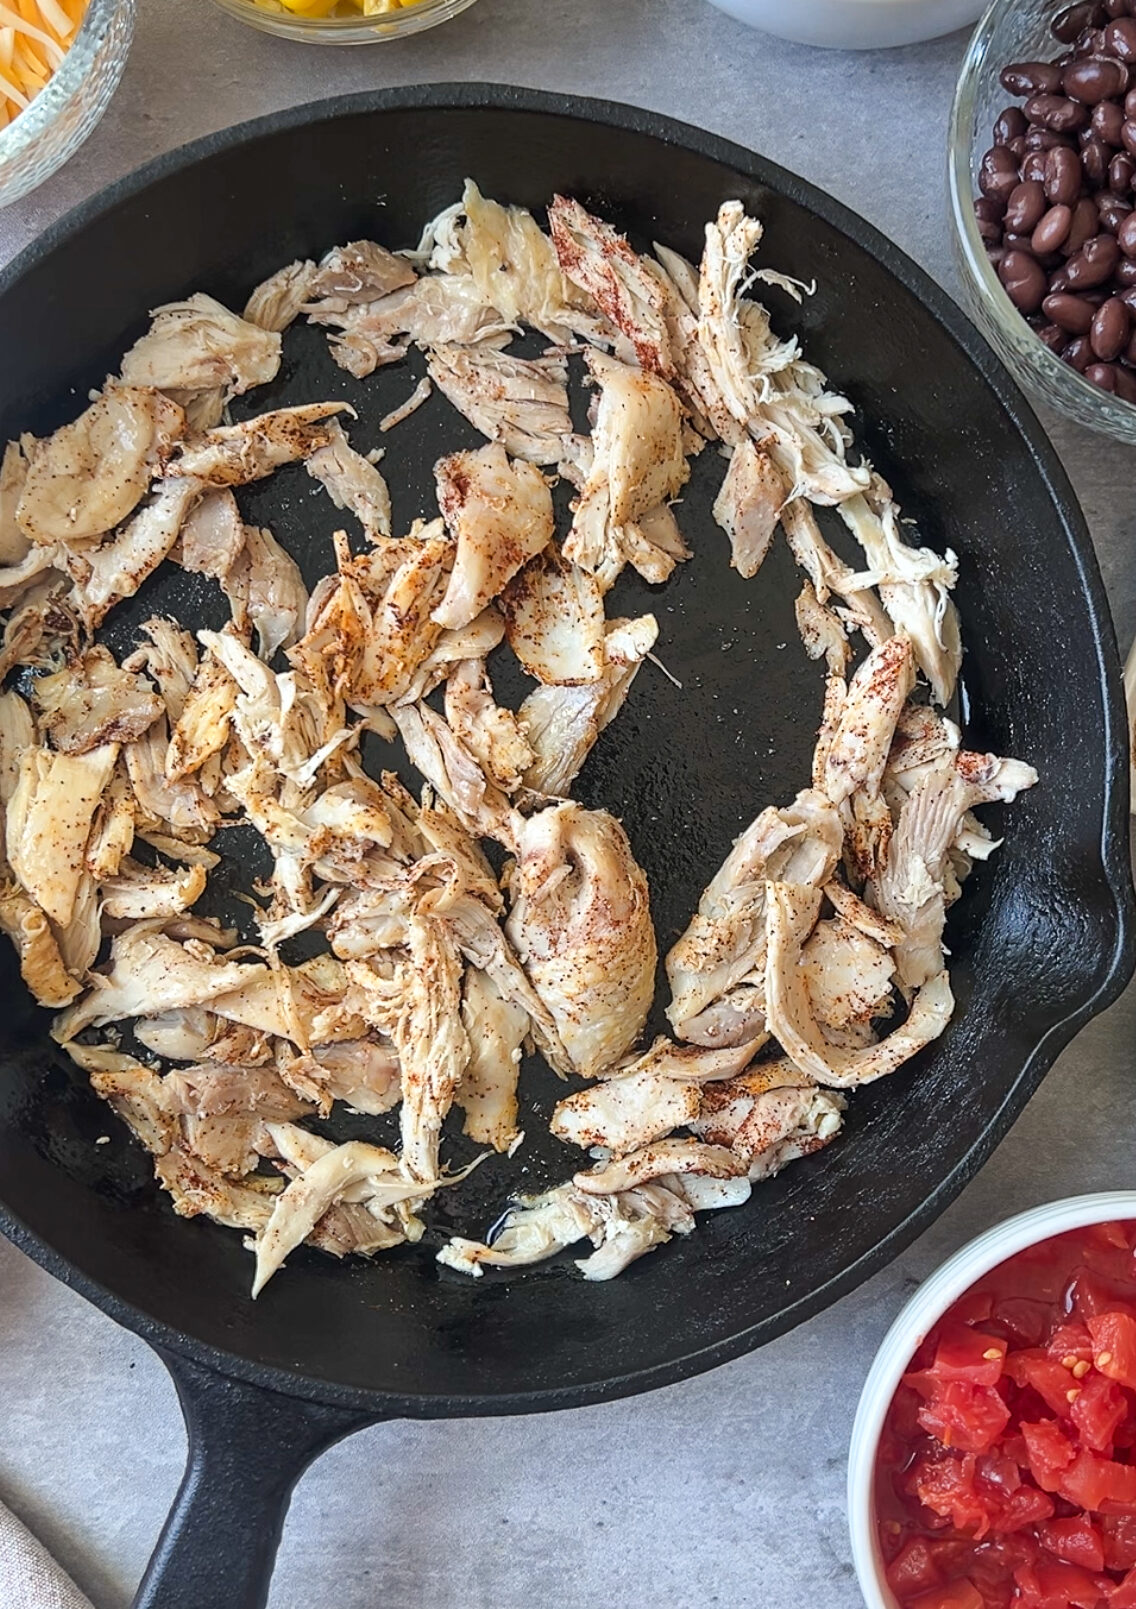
855 24
929 1304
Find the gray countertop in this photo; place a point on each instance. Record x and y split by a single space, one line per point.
728 1489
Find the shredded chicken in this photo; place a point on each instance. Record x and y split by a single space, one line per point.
522 403
500 515
235 455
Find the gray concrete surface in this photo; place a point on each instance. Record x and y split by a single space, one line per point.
727 1490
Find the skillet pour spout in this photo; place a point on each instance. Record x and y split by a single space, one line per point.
1042 940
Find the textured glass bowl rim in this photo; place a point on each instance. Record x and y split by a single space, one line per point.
948 1282
416 19
1042 369
68 78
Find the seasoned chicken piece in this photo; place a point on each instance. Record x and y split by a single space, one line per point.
848 975
39 566
359 272
195 1188
140 891
791 913
599 260
169 656
90 474
581 926
353 482
522 403
660 1159
693 377
14 544
432 312
554 620
910 889
500 515
621 1227
419 1009
725 943
107 574
202 728
234 455
181 805
135 1092
17 733
475 641
198 345
112 833
151 973
493 735
562 723
422 392
184 1034
863 918
779 399
49 820
266 591
823 635
749 506
859 607
638 464
691 1064
363 1073
310 1004
277 301
625 1112
41 965
496 1029
914 586
514 266
213 536
91 702
221 1089
770 1116
858 750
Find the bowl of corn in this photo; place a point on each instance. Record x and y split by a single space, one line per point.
344 22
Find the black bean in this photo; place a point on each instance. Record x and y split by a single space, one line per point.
1053 336
1116 8
1125 272
1095 159
1033 164
1025 207
998 173
1102 375
1074 315
1019 243
1087 43
1062 176
1130 349
1128 136
1128 297
1110 329
1107 122
1078 354
1057 113
1024 279
1121 171
1097 78
1044 139
1126 236
1031 78
1068 23
1051 231
995 254
1084 227
1058 282
987 210
1125 385
1120 39
1093 264
1010 124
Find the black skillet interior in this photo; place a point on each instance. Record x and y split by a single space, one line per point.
1041 939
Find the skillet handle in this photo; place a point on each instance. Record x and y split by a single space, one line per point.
248 1447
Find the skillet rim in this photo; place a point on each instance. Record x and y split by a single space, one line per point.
1114 851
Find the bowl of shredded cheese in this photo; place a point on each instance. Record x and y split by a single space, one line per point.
344 22
60 62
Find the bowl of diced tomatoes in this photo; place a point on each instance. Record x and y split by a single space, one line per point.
993 1456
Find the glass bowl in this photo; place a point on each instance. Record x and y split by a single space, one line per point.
925 1308
1012 30
64 113
347 30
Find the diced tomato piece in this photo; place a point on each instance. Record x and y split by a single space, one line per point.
1099 1411
958 1595
1076 1540
1071 1340
1114 1340
1100 1484
1123 1595
913 1569
966 1354
1118 1537
945 1485
968 1417
1051 1382
1024 1507
1058 1586
1050 1452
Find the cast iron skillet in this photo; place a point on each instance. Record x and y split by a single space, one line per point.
1041 941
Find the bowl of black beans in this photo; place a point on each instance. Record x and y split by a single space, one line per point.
1043 190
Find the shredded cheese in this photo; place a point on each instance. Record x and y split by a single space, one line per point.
337 8
35 35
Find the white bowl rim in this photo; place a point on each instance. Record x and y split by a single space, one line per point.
925 1307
